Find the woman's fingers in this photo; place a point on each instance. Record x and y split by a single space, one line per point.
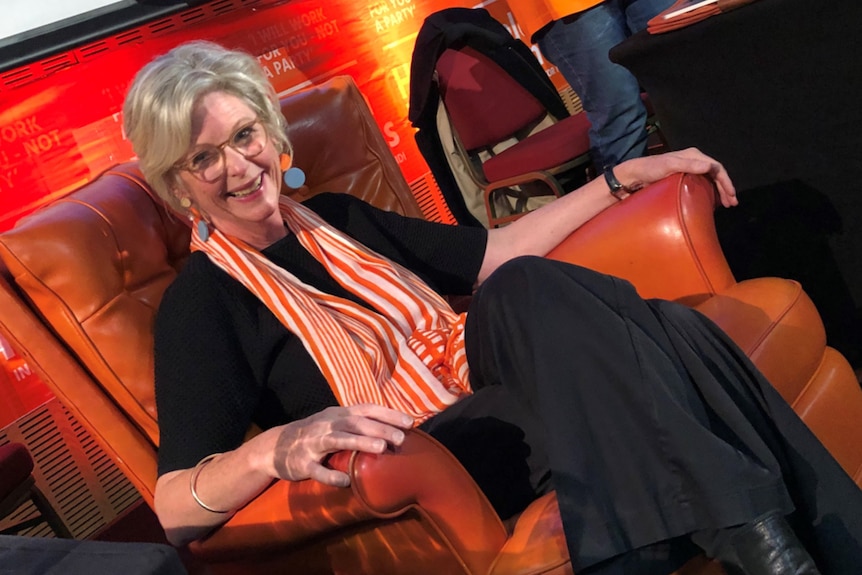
726 190
713 168
382 414
376 421
302 445
329 476
650 169
358 440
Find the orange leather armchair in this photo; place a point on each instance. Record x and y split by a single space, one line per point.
84 276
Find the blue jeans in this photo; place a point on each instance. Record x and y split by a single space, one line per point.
578 46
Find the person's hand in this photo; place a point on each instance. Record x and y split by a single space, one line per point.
649 169
301 446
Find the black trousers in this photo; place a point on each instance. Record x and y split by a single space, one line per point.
643 416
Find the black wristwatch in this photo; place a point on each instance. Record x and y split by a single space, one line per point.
618 190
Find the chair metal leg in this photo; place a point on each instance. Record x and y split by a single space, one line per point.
49 514
27 490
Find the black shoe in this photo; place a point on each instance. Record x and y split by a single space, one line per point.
767 546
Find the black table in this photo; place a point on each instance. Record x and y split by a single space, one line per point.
774 91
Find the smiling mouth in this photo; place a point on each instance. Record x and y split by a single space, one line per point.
255 186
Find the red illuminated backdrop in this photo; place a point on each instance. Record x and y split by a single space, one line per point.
60 118
60 123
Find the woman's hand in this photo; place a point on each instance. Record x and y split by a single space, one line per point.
301 446
649 169
294 451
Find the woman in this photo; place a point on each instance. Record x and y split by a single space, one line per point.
284 316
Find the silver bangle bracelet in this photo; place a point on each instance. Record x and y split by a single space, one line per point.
193 480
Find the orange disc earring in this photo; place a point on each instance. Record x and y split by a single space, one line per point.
286 161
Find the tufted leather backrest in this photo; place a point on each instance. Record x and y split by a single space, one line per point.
96 263
340 148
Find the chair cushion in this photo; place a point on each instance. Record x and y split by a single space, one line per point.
537 544
830 405
16 465
778 327
552 147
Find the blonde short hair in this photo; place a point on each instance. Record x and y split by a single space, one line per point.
157 113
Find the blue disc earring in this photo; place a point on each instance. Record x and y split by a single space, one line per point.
294 178
203 230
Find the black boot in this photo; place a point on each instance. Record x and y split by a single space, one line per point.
767 546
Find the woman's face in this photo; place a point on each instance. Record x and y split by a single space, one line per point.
231 181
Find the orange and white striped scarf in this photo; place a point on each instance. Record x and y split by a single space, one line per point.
409 355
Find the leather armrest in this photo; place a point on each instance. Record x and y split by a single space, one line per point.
287 512
420 475
662 239
776 324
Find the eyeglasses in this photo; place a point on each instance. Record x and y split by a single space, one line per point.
207 162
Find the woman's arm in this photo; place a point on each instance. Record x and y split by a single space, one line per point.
212 352
293 452
541 230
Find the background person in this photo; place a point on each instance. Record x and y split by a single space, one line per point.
576 36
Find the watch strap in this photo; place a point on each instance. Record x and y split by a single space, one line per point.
617 189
